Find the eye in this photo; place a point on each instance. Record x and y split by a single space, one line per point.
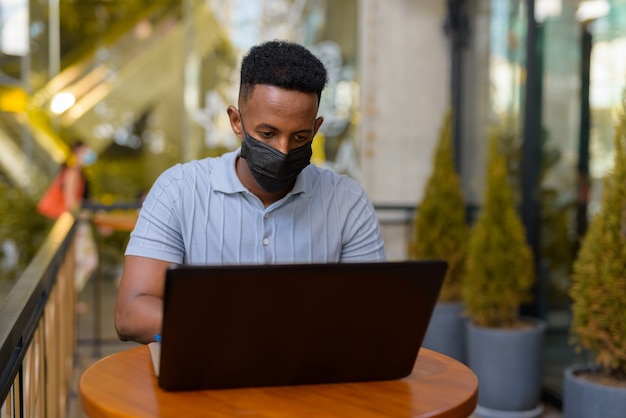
301 138
266 134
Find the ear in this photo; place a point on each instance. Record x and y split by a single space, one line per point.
235 121
318 123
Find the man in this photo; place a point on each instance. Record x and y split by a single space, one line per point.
262 203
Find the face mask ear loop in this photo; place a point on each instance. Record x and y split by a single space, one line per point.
245 131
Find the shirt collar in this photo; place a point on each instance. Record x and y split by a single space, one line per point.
224 178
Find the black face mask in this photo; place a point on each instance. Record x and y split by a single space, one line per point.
272 169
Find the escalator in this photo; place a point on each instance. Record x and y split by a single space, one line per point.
128 70
18 151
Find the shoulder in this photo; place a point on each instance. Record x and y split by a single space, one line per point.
190 170
325 180
197 176
176 181
333 190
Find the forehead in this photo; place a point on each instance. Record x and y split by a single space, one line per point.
270 103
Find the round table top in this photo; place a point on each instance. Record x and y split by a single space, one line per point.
124 385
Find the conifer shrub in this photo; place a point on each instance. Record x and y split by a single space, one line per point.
440 228
500 270
598 288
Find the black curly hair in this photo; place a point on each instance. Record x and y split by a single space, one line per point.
282 64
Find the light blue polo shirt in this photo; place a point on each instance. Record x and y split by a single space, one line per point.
200 213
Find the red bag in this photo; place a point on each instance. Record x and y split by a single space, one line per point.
52 203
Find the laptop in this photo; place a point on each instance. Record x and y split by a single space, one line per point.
276 325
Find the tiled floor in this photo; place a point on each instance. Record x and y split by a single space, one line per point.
88 353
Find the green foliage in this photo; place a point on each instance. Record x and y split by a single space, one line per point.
115 164
21 229
598 288
500 269
440 227
557 208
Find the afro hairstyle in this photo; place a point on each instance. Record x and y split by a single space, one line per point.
282 64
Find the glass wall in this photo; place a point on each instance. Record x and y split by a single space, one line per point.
507 60
606 91
581 61
146 84
561 74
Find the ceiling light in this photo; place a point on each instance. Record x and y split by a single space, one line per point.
592 9
61 102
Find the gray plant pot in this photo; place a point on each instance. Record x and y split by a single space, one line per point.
585 399
508 364
446 330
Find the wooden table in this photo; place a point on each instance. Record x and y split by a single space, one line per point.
124 385
117 221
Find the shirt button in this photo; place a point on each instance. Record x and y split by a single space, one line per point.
266 241
267 215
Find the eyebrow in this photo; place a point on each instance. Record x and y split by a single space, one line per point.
268 126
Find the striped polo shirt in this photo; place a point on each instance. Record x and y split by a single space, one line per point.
200 213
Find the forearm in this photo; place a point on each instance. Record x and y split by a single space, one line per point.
71 187
139 319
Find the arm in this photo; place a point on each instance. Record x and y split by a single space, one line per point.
362 236
155 243
139 304
365 242
72 188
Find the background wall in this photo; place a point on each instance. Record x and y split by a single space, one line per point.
404 69
477 113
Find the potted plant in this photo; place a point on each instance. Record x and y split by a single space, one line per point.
440 231
503 349
598 294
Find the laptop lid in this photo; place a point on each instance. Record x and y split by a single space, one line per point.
274 325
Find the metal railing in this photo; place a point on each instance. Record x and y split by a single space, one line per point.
38 330
396 228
